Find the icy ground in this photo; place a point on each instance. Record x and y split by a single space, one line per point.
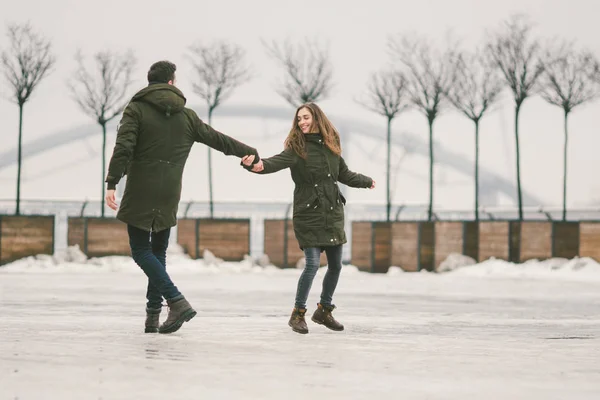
488 331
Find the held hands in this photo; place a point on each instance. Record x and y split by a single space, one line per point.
110 199
247 161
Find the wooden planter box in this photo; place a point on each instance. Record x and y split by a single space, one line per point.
25 235
280 244
99 237
378 245
228 239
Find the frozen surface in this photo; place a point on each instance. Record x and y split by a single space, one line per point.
73 330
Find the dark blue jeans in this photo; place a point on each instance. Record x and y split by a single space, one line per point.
149 251
334 267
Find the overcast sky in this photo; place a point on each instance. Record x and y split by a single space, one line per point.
356 32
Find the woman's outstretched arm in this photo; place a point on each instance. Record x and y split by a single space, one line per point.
353 179
285 159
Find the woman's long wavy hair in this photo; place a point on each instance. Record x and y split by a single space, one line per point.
321 124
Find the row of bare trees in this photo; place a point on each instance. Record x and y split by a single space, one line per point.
101 88
420 76
430 80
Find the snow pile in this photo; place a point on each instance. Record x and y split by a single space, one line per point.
73 259
393 271
454 261
579 269
71 254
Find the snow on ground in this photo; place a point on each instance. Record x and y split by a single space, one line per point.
72 329
73 260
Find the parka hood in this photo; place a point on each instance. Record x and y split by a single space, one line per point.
166 98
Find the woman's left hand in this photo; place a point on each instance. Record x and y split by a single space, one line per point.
373 185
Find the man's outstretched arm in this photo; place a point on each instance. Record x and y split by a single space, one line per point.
221 142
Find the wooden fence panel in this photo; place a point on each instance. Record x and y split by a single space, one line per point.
362 245
274 241
98 237
566 237
24 236
228 239
405 246
186 236
536 240
279 240
382 247
589 240
448 240
493 240
107 237
514 241
471 239
427 246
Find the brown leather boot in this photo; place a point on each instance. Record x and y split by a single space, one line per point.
180 311
323 316
152 320
297 322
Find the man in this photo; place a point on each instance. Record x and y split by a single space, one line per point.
154 140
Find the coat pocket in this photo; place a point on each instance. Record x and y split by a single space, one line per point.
312 203
341 199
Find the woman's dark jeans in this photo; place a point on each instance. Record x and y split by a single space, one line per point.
334 267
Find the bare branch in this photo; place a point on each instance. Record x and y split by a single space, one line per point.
308 70
517 55
430 72
102 93
477 84
387 94
27 62
220 68
568 80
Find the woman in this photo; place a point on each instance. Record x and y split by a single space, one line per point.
313 154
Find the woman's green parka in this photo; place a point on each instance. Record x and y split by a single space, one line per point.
318 214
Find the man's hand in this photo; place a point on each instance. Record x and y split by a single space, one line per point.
247 161
110 199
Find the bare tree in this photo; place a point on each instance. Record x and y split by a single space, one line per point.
220 68
568 82
430 75
28 60
477 86
308 70
387 95
517 54
102 92
595 73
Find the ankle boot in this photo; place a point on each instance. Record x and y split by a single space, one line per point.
297 322
180 311
152 320
323 316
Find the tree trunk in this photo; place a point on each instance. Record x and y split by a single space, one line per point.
564 213
518 159
210 180
387 172
19 158
476 170
103 168
430 211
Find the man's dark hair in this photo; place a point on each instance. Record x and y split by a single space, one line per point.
162 72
